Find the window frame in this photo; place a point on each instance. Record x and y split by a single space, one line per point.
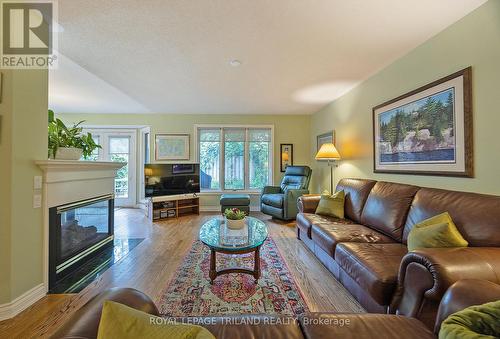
222 164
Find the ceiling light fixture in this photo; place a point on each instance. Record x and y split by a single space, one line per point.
235 63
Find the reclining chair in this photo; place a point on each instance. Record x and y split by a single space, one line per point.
281 201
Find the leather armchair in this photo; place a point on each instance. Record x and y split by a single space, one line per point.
281 201
426 274
84 323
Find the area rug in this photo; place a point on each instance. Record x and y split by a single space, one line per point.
190 293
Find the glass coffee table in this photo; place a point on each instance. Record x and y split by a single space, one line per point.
220 239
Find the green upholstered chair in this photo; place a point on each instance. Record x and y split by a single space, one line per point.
281 201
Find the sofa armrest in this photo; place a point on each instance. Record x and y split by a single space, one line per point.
290 201
308 203
465 293
271 190
84 323
426 274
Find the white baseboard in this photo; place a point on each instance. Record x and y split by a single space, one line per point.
22 302
217 209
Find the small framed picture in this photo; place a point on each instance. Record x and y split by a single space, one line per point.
171 147
325 138
286 156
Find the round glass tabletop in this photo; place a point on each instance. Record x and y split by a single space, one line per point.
217 236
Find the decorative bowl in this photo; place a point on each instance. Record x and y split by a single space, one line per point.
235 224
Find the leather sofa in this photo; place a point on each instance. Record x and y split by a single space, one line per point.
84 323
367 251
281 201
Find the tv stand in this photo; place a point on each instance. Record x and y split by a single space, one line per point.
174 206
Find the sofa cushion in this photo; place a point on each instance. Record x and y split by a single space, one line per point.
332 232
275 200
356 193
121 322
362 326
475 215
387 207
478 321
304 223
332 205
438 231
373 266
306 220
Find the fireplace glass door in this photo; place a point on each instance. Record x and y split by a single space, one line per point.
77 232
82 227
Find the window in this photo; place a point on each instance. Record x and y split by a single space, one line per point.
235 158
119 151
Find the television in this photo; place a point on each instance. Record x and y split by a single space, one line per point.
171 179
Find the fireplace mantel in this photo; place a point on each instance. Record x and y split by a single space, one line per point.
66 182
71 165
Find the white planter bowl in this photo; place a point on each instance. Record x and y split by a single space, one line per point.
235 224
68 153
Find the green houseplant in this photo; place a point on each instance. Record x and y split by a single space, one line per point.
69 143
235 218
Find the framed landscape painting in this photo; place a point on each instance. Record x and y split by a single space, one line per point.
427 131
171 147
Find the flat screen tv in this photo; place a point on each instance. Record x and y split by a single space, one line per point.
171 179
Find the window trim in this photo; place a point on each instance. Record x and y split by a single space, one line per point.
247 160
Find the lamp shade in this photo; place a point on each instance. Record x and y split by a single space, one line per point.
148 172
328 152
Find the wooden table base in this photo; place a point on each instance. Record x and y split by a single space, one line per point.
255 272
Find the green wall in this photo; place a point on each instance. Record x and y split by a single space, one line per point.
287 129
472 41
24 140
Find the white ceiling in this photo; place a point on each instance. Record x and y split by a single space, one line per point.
172 56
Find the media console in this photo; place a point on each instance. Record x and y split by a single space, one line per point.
172 206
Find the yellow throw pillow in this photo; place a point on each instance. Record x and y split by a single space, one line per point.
332 205
119 321
438 231
473 322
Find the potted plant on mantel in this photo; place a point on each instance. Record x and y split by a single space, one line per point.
235 218
69 143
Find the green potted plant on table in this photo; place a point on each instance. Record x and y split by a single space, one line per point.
69 143
235 218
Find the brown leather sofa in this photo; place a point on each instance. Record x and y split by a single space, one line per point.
85 322
367 251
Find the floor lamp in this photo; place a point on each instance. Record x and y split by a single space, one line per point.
328 152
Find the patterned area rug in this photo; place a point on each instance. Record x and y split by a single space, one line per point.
190 293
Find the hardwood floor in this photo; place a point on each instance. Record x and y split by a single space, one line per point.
152 263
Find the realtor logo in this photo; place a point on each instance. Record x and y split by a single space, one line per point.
27 34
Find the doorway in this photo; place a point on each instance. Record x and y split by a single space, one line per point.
120 146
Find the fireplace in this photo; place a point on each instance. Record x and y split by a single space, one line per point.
78 232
